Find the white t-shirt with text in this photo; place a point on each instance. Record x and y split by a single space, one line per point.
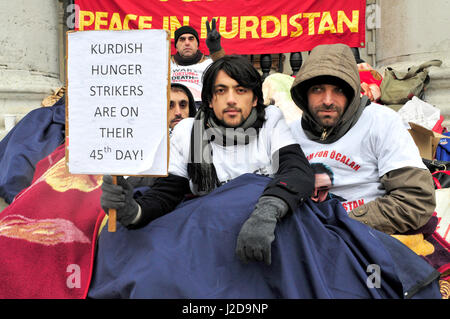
376 144
190 76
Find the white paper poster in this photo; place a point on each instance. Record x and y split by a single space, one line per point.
117 102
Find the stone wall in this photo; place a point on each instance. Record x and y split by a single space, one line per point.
411 32
29 55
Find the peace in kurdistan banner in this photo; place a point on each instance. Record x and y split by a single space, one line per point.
246 27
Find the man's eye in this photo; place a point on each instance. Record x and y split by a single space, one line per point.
171 105
242 90
219 91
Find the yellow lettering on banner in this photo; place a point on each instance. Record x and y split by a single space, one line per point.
166 23
294 23
311 16
127 20
284 25
145 22
82 20
326 23
175 24
101 19
352 25
275 32
252 28
234 27
116 22
203 27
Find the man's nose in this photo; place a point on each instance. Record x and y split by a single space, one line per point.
328 97
231 98
177 110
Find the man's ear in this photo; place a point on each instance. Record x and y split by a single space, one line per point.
255 101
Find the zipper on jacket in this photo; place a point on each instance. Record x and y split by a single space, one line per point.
324 135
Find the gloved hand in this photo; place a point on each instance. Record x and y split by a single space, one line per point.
119 197
258 232
212 37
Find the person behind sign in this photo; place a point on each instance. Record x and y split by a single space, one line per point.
182 105
189 63
232 134
376 164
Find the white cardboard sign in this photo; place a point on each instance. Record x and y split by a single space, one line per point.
116 111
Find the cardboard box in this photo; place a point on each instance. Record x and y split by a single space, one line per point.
425 139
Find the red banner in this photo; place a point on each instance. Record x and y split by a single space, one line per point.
246 27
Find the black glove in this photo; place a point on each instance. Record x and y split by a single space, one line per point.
119 197
212 37
258 232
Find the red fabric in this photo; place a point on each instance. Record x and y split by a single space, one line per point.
438 126
370 81
248 27
440 176
48 234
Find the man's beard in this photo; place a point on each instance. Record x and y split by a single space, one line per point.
324 120
224 124
175 119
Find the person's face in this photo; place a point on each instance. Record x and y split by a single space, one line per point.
179 107
321 187
231 102
327 103
187 45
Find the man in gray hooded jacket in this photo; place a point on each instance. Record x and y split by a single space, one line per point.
378 172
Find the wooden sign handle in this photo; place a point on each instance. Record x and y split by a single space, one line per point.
112 213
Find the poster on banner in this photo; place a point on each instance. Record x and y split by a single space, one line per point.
246 27
116 110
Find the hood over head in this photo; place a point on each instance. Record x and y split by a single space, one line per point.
329 64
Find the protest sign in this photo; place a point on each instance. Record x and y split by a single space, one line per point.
118 88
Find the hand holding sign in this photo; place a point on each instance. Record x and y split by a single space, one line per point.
120 198
212 37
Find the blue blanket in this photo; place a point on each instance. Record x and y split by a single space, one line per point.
318 252
443 148
37 135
